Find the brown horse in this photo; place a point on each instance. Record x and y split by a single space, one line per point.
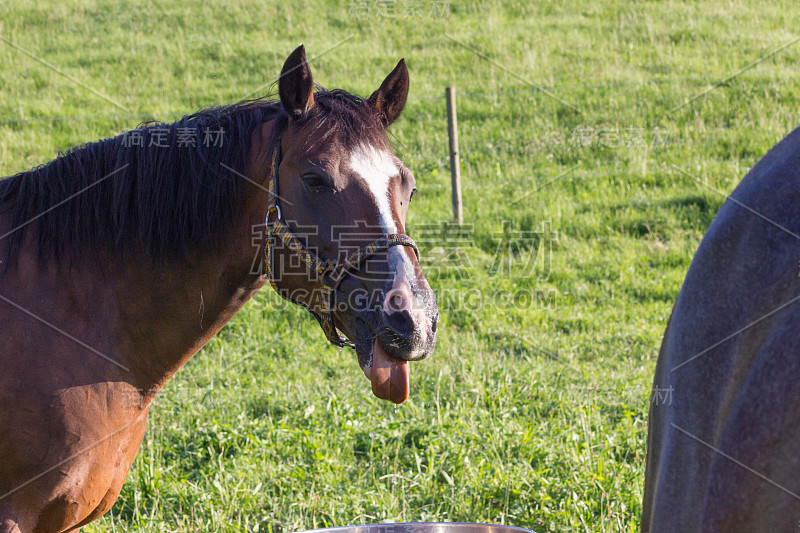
122 258
723 447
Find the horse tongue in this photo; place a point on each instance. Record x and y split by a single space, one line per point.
389 375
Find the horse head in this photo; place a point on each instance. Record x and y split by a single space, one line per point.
341 197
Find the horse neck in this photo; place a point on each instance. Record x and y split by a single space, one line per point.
169 315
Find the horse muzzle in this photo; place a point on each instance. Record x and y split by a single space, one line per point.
407 322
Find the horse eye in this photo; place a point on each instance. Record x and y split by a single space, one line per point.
315 182
413 192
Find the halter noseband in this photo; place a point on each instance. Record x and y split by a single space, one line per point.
331 272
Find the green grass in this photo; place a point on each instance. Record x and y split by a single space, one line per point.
531 415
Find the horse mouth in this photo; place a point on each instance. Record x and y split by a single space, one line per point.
388 375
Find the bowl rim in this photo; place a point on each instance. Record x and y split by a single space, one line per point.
345 528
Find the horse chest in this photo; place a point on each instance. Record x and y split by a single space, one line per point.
74 460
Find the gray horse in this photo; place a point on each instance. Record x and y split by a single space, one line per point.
723 449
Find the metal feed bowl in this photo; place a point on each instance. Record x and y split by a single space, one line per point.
423 527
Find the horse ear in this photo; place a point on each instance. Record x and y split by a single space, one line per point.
296 87
390 99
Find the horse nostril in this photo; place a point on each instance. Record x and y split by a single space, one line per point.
396 302
434 324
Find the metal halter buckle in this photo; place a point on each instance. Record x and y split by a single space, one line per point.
275 208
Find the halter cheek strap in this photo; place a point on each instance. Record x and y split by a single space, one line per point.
330 272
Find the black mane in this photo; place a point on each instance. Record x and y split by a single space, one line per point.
161 189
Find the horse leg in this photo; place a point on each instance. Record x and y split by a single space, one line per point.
12 521
9 526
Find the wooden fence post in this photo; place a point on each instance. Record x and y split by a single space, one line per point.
455 161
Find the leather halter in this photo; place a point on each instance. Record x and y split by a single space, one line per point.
330 272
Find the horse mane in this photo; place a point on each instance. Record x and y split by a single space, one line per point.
161 189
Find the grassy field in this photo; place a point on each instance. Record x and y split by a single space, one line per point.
583 206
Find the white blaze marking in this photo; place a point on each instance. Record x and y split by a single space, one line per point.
377 168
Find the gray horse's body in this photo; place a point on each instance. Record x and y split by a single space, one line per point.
724 442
